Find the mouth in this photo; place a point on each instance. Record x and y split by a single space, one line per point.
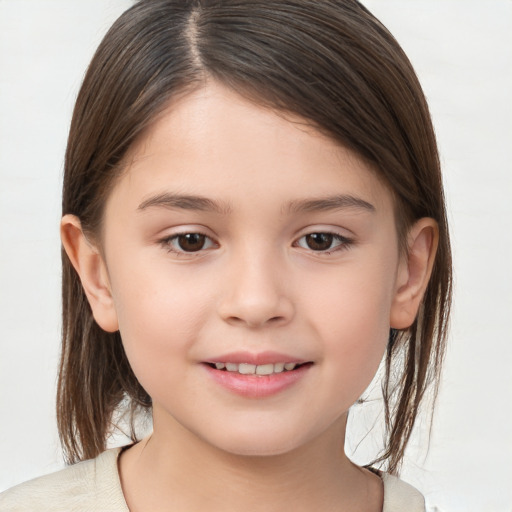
257 375
260 370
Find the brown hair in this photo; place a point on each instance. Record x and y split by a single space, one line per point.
330 62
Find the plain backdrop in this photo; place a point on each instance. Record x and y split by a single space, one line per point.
462 51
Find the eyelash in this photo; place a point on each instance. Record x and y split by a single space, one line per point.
167 243
343 243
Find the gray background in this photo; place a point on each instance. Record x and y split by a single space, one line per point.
462 51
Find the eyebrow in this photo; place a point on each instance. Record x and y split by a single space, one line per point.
335 202
192 202
184 202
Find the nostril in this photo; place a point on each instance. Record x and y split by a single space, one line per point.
255 310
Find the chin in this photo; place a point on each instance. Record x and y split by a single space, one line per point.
256 444
259 450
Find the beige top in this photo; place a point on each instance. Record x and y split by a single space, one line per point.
94 485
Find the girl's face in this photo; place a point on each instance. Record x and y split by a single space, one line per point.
239 238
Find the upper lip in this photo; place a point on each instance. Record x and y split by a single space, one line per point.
259 358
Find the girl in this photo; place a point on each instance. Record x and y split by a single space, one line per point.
253 218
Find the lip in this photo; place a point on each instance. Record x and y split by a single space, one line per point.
268 357
257 386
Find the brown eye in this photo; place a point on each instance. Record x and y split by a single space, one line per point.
188 243
319 241
323 242
191 242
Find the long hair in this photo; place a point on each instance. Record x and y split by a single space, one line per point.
330 62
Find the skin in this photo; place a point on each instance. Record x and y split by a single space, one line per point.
258 284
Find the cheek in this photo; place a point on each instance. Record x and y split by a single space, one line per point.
159 314
353 320
355 350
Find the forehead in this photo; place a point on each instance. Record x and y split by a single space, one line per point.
213 142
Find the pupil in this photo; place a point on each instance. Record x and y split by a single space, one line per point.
319 241
191 242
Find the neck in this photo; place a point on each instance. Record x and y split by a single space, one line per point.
167 473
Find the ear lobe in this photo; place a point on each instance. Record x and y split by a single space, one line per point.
89 264
414 272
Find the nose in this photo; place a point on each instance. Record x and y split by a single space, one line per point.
256 292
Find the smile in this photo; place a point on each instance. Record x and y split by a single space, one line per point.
253 369
257 381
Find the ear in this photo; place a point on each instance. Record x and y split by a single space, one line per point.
89 264
414 272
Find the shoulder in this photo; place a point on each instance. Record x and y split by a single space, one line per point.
400 496
86 486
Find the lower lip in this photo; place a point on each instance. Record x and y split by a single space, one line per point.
257 386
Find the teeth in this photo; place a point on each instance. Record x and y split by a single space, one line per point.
246 369
264 369
252 369
278 367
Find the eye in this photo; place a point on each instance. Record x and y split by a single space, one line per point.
188 242
322 242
